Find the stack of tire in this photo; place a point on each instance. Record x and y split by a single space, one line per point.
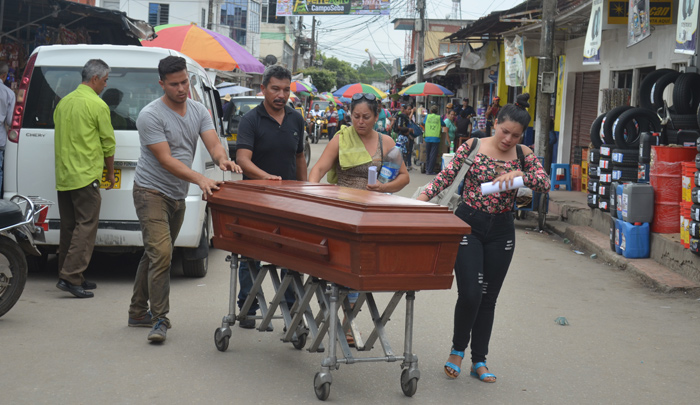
593 158
683 105
604 178
694 226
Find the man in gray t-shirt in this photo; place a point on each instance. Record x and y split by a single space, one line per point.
169 129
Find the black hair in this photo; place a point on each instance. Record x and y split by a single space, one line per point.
403 130
373 105
112 97
463 114
276 71
171 64
516 112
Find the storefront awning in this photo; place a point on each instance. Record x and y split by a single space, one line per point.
103 25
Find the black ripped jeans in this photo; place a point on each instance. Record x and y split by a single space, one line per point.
481 266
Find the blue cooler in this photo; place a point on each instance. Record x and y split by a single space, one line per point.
634 240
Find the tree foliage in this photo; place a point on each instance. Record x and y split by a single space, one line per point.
323 79
376 73
345 73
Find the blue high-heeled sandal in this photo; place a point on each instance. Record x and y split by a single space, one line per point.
481 378
454 366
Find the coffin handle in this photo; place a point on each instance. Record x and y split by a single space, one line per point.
275 237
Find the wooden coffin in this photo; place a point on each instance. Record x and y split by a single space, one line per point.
360 239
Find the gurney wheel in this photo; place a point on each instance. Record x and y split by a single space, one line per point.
323 390
409 387
220 340
300 342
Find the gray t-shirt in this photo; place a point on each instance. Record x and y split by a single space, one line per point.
158 123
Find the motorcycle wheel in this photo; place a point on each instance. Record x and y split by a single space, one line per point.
307 152
13 273
316 135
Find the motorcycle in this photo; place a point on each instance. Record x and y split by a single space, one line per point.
316 127
22 221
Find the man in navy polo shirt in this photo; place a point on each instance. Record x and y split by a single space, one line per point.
270 147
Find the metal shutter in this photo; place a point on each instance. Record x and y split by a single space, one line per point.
585 112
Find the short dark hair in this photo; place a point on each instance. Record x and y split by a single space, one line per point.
171 64
516 112
403 130
276 71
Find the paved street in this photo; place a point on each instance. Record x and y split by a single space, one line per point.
625 344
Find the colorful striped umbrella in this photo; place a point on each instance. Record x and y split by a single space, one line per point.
328 96
350 89
298 86
426 89
210 49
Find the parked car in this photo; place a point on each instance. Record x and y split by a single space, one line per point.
54 71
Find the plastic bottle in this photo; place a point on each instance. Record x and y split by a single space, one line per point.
391 165
372 175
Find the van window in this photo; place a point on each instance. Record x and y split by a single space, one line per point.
127 92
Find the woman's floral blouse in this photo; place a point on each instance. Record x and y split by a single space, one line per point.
486 169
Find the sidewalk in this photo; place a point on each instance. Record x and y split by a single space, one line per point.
671 268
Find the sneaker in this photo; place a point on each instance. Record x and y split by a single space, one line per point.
145 321
247 324
157 334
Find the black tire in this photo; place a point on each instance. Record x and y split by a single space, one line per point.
11 257
605 165
686 93
593 156
683 121
604 204
646 86
604 191
627 136
605 178
307 151
593 186
593 171
408 387
321 390
695 212
542 210
595 131
610 118
657 94
623 174
592 200
626 157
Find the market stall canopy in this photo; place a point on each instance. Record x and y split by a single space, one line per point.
210 49
103 26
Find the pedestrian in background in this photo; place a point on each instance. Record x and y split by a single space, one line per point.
7 104
491 114
431 137
332 125
451 129
485 254
84 145
169 129
270 147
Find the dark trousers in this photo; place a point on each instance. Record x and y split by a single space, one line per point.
331 132
481 266
431 149
80 214
246 284
161 218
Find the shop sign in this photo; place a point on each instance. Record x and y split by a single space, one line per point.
660 12
591 49
638 27
687 28
332 7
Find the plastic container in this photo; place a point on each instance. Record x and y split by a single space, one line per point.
613 198
687 179
618 204
634 242
372 175
391 166
613 231
637 202
618 236
665 178
446 158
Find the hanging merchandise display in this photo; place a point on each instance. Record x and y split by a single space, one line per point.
687 27
638 25
591 50
515 62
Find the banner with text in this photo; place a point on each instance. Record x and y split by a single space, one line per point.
687 28
332 7
638 24
591 49
515 62
660 12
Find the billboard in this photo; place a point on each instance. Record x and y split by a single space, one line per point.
591 51
332 7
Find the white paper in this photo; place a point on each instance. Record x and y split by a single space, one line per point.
490 188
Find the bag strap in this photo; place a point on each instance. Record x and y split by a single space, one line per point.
462 175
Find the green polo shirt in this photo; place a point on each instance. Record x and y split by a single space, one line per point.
83 138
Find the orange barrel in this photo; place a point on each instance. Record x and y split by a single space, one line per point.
685 223
665 171
687 179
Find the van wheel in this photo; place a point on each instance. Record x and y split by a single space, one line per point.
192 266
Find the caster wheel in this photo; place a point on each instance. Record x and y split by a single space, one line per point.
220 340
323 390
409 387
301 341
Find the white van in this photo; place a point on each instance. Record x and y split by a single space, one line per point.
54 71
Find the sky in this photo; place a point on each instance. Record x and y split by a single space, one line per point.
347 37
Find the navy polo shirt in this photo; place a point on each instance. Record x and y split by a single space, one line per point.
274 146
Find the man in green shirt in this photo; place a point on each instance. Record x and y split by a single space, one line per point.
84 145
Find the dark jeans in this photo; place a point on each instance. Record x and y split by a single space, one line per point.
431 149
481 266
246 284
331 132
80 214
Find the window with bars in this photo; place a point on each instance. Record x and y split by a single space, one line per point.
158 13
449 48
254 17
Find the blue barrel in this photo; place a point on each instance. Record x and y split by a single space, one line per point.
618 236
634 240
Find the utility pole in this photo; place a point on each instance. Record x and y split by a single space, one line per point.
546 65
313 42
295 61
211 15
420 53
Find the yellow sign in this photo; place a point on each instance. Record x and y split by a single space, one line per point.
660 12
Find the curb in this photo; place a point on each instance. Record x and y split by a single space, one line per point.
648 271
